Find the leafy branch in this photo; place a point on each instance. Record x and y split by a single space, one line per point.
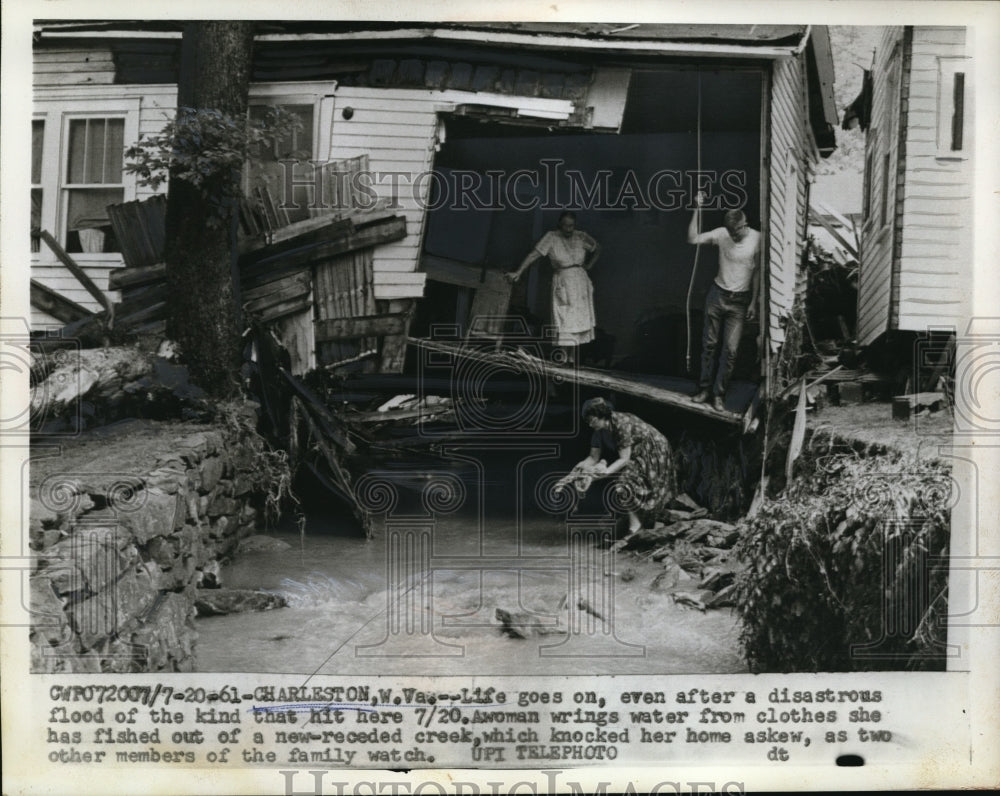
208 149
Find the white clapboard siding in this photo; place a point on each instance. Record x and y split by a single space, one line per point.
924 280
936 252
154 102
791 157
157 108
875 288
57 277
396 129
73 67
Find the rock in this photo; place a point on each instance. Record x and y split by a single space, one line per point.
699 530
725 539
219 602
211 473
521 624
716 579
723 597
222 505
672 578
684 503
584 605
160 515
262 544
695 599
111 612
210 576
645 538
676 515
88 560
48 620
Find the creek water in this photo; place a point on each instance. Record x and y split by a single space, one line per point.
389 605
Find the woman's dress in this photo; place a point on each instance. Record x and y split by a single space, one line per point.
649 480
572 291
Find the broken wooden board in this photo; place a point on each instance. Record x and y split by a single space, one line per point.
419 412
361 326
55 304
489 305
124 278
292 236
258 270
140 228
81 275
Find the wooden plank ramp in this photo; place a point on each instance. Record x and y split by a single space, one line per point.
607 379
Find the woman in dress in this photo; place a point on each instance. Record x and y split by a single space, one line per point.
572 253
645 463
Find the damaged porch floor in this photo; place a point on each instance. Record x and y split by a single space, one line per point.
340 616
671 391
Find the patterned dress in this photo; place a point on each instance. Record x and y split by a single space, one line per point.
649 480
572 291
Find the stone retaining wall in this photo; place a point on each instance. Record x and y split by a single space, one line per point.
118 556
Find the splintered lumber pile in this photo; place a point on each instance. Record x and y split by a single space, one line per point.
699 567
317 439
275 269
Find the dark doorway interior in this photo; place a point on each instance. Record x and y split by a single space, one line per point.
631 191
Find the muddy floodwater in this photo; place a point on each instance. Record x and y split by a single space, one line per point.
353 607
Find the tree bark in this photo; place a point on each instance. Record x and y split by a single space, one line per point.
201 306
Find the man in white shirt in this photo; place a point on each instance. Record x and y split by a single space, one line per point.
731 299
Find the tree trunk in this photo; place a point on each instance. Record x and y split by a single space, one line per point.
201 307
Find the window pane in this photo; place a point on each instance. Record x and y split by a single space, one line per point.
77 150
87 225
96 150
36 215
94 161
114 150
958 106
300 144
37 136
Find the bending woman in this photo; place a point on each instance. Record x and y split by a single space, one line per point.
572 253
648 477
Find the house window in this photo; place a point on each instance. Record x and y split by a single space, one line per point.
37 141
957 110
953 116
93 180
269 173
77 157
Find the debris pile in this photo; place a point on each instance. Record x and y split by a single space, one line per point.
852 541
699 565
